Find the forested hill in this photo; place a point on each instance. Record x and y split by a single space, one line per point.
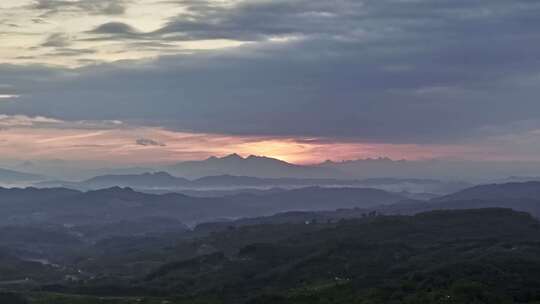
463 256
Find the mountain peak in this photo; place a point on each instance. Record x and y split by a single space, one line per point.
255 157
233 156
252 165
160 174
116 190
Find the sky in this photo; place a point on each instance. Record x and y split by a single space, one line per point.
160 81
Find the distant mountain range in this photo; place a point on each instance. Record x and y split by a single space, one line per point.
267 167
382 167
261 166
518 179
73 171
65 206
70 207
16 177
518 196
506 191
234 172
166 182
478 171
256 166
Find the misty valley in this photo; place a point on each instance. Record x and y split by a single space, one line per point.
156 238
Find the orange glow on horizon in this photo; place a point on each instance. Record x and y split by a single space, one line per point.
113 142
123 145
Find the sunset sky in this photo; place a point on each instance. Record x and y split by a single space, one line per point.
152 81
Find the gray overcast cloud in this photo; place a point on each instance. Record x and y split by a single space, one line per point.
390 71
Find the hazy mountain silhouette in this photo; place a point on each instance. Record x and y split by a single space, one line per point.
507 191
151 182
71 207
256 166
165 180
16 177
517 196
266 167
158 179
518 179
432 169
73 171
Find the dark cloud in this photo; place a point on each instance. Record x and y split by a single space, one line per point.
100 7
116 31
254 20
149 142
346 19
386 71
8 24
69 52
248 21
57 40
114 28
39 21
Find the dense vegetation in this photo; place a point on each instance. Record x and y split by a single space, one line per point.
462 256
128 247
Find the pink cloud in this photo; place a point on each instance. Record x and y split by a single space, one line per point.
25 137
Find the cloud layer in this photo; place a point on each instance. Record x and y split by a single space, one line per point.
422 72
